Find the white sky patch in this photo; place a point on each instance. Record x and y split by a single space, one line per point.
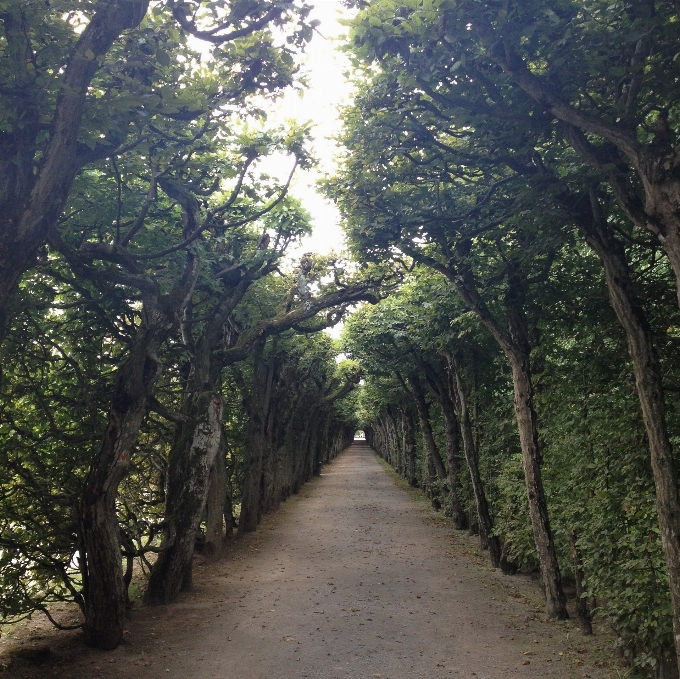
327 91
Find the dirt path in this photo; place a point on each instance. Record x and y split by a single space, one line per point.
353 579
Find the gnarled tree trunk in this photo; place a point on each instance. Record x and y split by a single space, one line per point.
215 505
104 591
191 459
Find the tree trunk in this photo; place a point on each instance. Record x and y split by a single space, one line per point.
215 505
311 454
322 447
252 473
453 460
515 345
290 462
269 480
191 459
257 440
229 521
433 459
538 507
303 454
104 590
278 467
531 456
409 447
393 441
648 382
472 458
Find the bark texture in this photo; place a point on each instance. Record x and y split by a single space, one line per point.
104 591
191 460
513 340
538 507
215 505
256 441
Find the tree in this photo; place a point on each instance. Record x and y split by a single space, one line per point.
465 150
499 245
420 318
79 86
598 70
495 107
198 433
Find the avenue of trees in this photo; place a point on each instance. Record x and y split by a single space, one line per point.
510 184
520 159
162 368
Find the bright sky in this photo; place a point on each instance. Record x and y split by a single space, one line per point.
324 67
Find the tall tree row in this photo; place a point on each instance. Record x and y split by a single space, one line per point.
152 394
525 152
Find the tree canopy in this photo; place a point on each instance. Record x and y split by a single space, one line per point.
509 187
508 147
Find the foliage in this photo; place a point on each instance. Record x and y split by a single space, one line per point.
480 137
157 229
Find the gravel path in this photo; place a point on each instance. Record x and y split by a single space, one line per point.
353 578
